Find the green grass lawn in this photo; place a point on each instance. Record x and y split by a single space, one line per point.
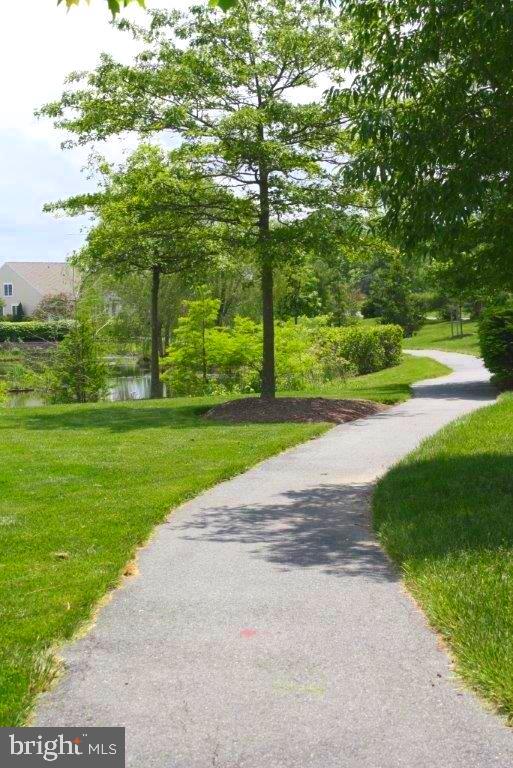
82 486
389 386
445 515
437 335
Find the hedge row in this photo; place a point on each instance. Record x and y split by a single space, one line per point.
34 330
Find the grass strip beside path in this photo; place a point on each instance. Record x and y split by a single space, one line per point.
81 487
445 515
389 386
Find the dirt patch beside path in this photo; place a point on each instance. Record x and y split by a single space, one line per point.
299 409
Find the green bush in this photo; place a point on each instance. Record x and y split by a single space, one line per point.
297 362
366 349
188 361
496 339
35 330
391 337
207 359
79 373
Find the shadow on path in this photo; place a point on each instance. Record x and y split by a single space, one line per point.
324 527
455 390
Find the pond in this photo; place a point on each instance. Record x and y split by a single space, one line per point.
121 388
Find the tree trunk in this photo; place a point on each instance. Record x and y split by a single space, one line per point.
155 382
162 346
268 363
268 366
167 333
203 352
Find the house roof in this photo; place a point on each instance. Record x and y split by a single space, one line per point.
47 277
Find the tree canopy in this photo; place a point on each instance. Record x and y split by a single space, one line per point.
156 215
235 88
115 6
432 102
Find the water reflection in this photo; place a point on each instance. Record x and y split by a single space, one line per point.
130 388
121 388
24 399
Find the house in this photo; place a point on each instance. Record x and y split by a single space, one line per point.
25 283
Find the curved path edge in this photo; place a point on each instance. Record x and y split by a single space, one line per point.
267 629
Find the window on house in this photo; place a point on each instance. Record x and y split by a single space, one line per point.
7 289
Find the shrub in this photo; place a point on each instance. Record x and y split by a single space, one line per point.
207 359
407 313
370 309
78 374
297 363
24 366
3 391
188 359
236 356
365 349
20 376
496 339
55 307
391 338
35 330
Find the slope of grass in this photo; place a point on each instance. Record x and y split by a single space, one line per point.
82 486
445 515
437 335
389 386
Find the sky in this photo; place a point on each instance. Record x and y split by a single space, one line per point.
39 45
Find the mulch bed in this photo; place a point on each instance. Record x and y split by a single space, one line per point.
298 409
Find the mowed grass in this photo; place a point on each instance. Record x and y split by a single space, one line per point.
389 386
82 486
445 515
437 335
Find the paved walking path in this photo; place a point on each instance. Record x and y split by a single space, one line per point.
267 630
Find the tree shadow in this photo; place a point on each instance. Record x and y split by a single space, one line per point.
325 528
456 390
428 510
120 418
448 505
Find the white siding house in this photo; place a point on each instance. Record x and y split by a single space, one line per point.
27 282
